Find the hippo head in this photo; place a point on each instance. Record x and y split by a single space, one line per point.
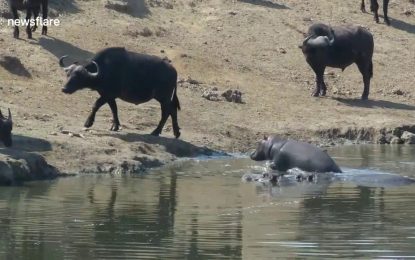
79 76
262 150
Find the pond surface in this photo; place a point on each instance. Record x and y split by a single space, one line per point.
203 210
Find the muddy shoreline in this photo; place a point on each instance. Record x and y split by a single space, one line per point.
143 152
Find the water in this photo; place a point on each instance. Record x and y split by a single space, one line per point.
203 210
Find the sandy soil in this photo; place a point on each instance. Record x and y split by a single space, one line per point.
249 45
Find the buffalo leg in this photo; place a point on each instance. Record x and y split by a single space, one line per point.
35 16
385 12
323 89
363 7
91 118
165 112
319 81
44 16
28 29
15 17
366 69
176 128
115 121
374 7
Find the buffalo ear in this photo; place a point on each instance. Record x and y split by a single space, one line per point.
265 137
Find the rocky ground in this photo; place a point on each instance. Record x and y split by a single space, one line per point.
241 76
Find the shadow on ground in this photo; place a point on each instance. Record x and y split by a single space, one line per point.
14 66
27 144
174 146
401 25
374 103
59 48
265 3
135 8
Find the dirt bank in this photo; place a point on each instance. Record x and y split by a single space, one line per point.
248 46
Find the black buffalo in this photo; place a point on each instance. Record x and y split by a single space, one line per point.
32 7
374 7
338 47
6 127
132 77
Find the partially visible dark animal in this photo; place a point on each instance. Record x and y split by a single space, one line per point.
132 77
338 47
32 7
288 154
374 7
6 127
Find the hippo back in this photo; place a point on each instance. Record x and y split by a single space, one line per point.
307 157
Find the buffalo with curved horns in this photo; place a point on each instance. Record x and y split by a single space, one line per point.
31 7
133 77
338 47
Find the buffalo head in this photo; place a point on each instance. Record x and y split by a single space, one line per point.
79 76
6 126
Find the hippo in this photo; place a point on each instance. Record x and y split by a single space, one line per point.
287 154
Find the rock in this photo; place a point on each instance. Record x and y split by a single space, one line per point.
232 96
211 95
396 140
389 137
381 140
17 167
408 137
398 92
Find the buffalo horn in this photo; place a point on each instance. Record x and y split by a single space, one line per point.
61 61
94 74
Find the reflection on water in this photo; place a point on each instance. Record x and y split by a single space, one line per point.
202 210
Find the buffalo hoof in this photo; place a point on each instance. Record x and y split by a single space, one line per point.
364 97
177 134
115 127
34 28
44 31
155 133
16 34
387 21
315 94
89 122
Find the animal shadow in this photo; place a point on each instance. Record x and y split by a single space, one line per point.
174 146
14 66
401 25
374 104
265 3
59 48
135 8
25 144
